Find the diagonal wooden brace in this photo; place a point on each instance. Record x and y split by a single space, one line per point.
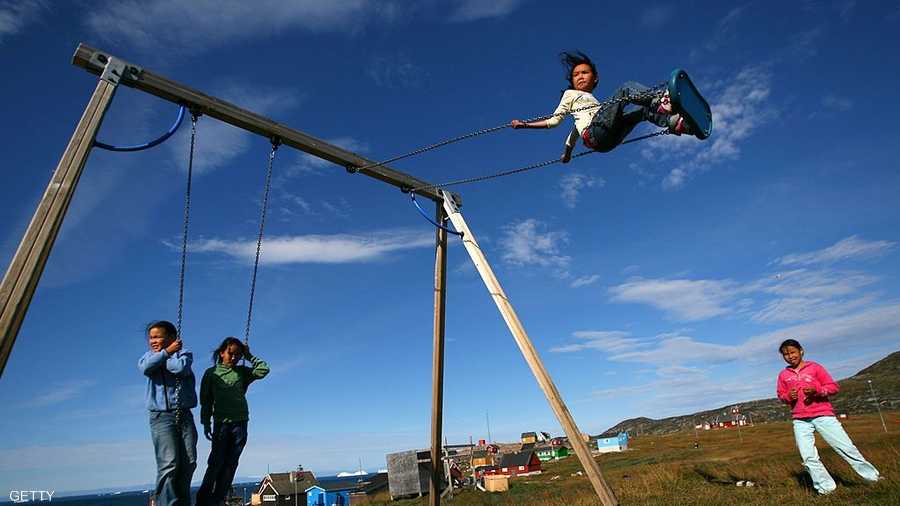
604 492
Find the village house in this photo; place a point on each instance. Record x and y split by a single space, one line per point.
613 444
517 464
547 453
330 494
283 489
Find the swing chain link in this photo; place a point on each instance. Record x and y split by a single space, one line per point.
649 93
262 224
184 247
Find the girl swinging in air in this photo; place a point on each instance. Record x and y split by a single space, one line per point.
223 399
604 128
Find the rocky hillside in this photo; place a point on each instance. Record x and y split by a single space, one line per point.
854 398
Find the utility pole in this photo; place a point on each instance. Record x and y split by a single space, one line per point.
877 405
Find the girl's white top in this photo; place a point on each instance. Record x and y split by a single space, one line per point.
579 105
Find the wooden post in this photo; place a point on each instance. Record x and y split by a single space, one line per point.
27 265
437 375
604 492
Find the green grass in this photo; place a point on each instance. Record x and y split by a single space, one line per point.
667 470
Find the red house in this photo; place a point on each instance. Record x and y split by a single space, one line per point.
517 464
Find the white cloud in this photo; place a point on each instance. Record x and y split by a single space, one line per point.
572 184
683 299
607 341
584 281
836 103
472 10
726 28
219 143
395 71
62 393
530 243
849 248
326 249
15 15
201 24
738 109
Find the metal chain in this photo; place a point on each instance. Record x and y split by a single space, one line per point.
651 92
184 245
528 167
262 225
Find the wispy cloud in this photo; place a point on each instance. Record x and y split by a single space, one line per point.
323 249
395 71
852 247
472 10
683 299
738 110
16 15
530 242
656 16
573 183
584 281
836 103
202 24
59 394
614 341
726 28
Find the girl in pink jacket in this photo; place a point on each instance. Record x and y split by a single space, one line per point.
806 386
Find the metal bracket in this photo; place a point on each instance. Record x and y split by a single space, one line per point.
115 69
451 202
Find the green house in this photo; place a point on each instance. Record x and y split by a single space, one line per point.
552 453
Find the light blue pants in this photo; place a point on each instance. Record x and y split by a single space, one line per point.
833 433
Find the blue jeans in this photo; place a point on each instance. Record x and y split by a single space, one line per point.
833 433
228 442
176 456
612 124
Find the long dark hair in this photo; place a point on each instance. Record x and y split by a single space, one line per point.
574 59
228 341
789 342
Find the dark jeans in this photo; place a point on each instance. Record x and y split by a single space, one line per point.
612 124
176 456
228 442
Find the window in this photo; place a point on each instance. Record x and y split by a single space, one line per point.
268 498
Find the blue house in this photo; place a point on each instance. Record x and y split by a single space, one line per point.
329 494
613 444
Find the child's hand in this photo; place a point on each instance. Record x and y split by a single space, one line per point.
517 124
207 431
810 391
792 395
175 347
566 156
247 353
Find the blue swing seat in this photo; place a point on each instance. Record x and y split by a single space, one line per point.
687 101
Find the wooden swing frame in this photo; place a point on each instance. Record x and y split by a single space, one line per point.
25 269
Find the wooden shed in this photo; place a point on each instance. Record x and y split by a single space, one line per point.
409 473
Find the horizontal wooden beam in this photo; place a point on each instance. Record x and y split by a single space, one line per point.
94 61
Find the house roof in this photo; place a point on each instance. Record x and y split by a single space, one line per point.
529 434
283 485
516 459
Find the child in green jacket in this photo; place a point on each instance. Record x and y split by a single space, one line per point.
222 398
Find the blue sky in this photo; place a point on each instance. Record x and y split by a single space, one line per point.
654 280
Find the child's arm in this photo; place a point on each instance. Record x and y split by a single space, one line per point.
260 368
565 105
783 393
827 386
206 399
151 361
179 364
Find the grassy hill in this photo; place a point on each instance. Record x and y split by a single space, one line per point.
854 398
666 469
